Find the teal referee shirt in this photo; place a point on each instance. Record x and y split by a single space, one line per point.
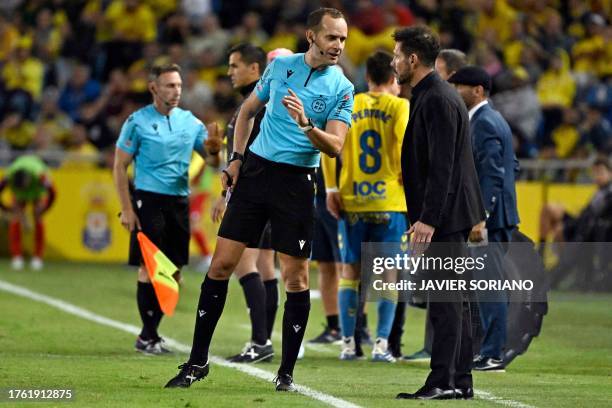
326 95
162 146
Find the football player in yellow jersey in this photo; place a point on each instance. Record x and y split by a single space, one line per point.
369 200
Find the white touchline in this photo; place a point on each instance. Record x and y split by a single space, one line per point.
86 314
247 369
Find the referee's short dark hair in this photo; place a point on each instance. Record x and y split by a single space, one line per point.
453 58
157 70
250 54
420 41
378 67
314 19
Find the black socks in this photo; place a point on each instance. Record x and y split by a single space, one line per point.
297 308
150 312
255 295
210 307
271 304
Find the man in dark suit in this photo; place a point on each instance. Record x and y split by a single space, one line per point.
443 199
496 165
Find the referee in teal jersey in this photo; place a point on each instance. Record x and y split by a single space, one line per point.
308 110
160 138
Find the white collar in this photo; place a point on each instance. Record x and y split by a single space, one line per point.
476 107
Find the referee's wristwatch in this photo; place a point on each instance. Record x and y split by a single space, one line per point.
236 156
309 126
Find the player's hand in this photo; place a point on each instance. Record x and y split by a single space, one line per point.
130 220
295 108
334 204
477 232
421 237
233 169
218 209
214 141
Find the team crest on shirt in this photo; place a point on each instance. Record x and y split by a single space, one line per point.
318 105
155 127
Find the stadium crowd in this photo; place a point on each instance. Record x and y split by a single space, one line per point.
72 71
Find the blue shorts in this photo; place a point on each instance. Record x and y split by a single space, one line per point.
325 238
355 228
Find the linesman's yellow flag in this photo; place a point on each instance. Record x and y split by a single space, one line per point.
160 270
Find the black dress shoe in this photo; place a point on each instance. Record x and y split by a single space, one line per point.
464 393
429 394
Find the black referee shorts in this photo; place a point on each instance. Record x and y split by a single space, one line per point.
165 221
276 192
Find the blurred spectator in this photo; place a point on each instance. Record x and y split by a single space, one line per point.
589 52
195 10
284 37
556 87
250 30
52 122
368 17
196 95
212 38
81 155
23 79
494 19
519 105
79 90
127 25
8 38
17 131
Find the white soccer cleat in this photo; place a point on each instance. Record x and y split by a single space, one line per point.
17 263
381 353
348 349
36 263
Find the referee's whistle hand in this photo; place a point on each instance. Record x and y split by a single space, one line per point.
229 177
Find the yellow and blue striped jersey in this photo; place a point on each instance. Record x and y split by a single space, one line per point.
370 176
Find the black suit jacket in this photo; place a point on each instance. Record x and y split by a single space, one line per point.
496 165
440 180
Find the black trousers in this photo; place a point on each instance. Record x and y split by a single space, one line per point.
451 354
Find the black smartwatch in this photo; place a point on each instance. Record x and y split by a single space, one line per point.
236 156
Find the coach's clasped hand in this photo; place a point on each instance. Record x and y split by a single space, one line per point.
421 237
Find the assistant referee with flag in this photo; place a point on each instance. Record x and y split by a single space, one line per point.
160 138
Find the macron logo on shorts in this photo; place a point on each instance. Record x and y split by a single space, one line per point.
201 312
302 243
297 327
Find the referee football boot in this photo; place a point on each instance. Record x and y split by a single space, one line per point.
284 382
152 347
188 375
254 353
329 336
489 364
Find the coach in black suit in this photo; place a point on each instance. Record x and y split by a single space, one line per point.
443 198
496 165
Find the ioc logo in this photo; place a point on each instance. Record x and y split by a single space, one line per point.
365 188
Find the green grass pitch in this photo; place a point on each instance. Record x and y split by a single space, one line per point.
569 365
